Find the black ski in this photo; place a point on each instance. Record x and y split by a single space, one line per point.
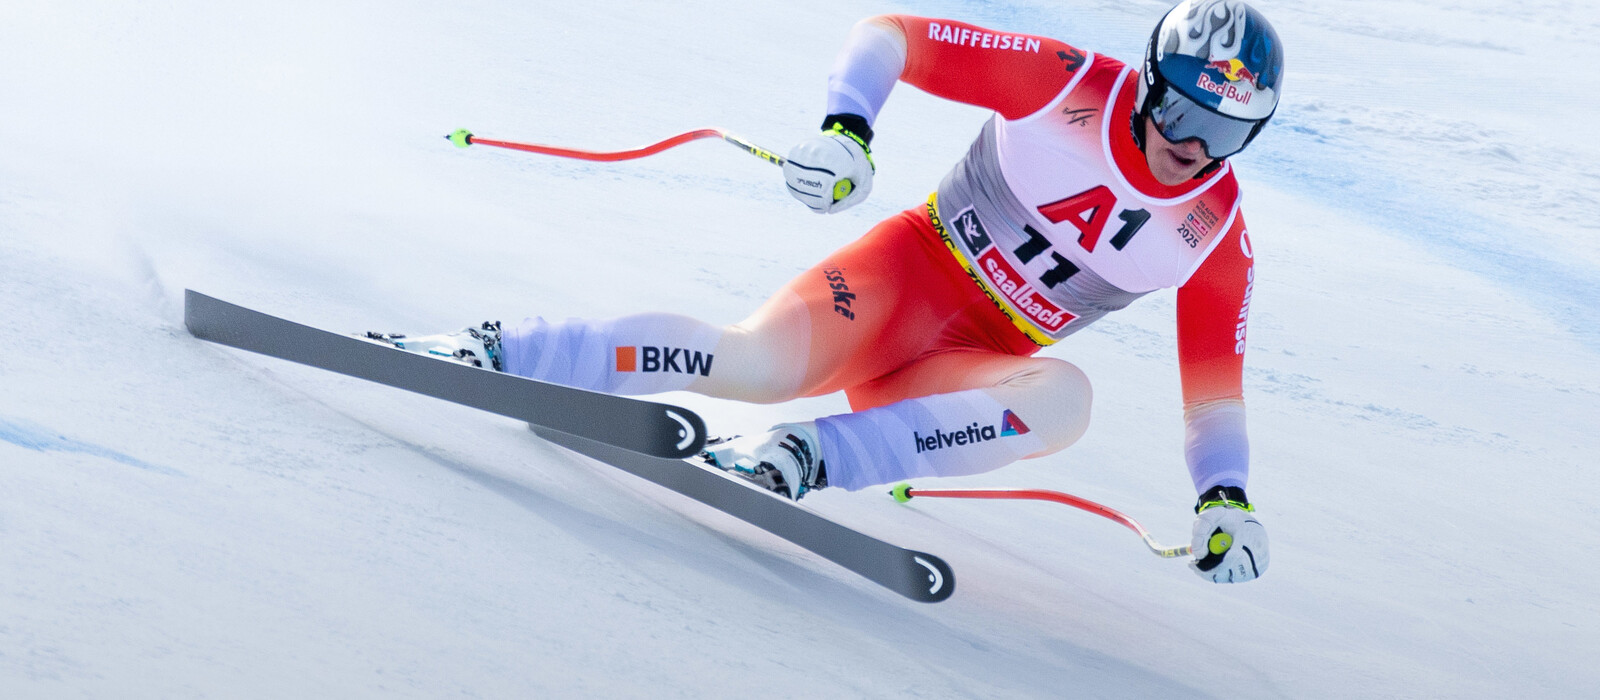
642 438
916 575
642 426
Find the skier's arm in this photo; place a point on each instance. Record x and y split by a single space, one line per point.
1013 74
1212 309
1229 541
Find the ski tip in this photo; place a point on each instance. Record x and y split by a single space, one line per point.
460 137
901 492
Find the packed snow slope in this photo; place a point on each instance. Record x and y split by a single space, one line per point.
179 519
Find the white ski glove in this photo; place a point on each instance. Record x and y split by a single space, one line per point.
832 172
1230 545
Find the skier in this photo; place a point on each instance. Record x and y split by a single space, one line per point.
1092 185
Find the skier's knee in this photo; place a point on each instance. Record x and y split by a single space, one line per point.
759 367
1062 404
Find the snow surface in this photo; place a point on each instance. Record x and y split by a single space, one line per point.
183 520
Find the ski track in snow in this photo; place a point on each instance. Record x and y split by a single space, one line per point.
180 519
42 439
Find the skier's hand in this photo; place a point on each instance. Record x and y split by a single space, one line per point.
831 172
1230 544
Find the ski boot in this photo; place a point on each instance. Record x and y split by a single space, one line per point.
475 347
784 460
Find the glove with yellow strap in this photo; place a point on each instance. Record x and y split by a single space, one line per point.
832 172
1230 545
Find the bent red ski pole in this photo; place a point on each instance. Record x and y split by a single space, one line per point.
463 138
903 492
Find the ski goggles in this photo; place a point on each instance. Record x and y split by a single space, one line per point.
1179 118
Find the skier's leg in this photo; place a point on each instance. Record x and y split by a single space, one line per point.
767 358
852 317
640 354
974 411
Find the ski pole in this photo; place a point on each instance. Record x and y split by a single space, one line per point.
463 138
903 492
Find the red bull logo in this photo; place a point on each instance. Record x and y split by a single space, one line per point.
1234 70
1228 91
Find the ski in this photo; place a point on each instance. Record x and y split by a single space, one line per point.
646 439
916 575
652 428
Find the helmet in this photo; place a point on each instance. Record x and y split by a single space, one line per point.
1212 72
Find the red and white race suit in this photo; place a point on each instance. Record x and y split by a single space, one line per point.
1052 220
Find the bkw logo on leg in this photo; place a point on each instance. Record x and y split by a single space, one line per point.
649 358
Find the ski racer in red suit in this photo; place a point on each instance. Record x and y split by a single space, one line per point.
1093 184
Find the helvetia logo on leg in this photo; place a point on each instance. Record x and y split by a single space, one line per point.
973 434
1010 425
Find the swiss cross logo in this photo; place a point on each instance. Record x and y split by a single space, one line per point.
649 358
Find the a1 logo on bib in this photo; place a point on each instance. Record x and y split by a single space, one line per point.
1089 211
